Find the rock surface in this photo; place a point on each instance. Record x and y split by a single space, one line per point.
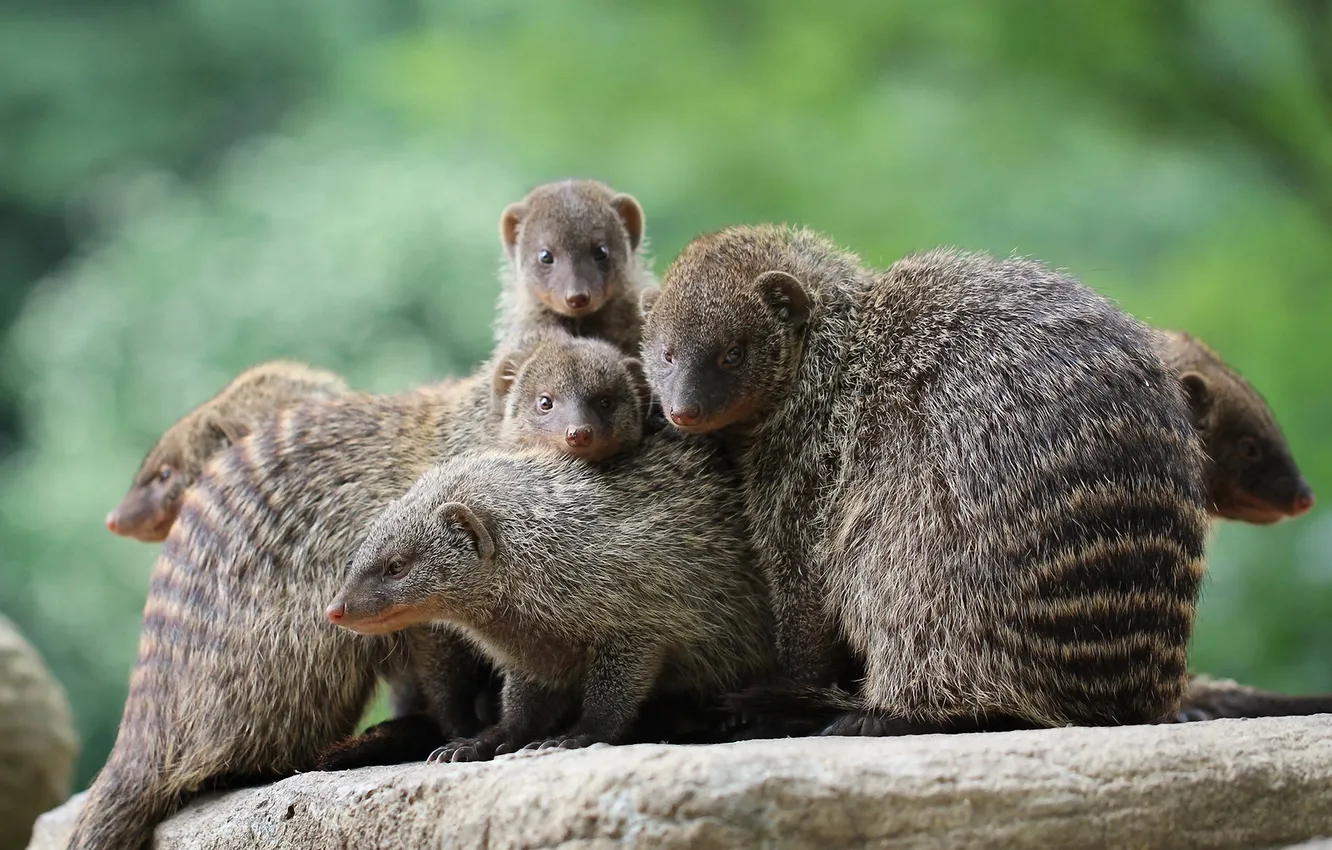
37 740
1227 783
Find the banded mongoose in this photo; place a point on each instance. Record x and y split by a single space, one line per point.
1250 473
578 396
975 470
175 462
240 676
592 587
574 260
38 744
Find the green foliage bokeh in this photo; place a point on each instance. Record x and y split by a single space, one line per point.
240 181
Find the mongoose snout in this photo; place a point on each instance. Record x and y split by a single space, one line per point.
578 437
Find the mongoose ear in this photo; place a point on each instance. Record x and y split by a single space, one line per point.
459 514
784 294
638 379
646 299
509 219
506 372
631 215
1198 394
221 433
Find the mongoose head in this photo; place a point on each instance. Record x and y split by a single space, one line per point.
1251 475
426 557
578 396
722 340
149 509
571 244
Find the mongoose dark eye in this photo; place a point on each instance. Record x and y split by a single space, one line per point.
600 254
395 567
605 402
667 355
545 403
734 356
1249 448
164 473
545 257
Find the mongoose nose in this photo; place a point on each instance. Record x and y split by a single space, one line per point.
578 300
687 415
337 611
1304 500
113 522
579 436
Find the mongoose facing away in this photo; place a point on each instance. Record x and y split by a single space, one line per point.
591 587
175 462
239 673
579 396
38 744
975 471
1250 473
574 261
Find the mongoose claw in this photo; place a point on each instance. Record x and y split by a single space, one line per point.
461 750
572 742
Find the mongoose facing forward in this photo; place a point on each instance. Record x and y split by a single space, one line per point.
973 470
573 261
593 588
1250 473
175 462
579 396
239 674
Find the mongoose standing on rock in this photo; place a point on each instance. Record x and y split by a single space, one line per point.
974 470
38 744
592 587
1250 473
175 462
573 261
240 676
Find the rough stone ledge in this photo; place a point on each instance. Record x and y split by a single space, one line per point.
1226 783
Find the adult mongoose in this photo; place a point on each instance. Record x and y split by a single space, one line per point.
177 459
38 744
574 260
1250 473
975 471
578 396
239 675
592 587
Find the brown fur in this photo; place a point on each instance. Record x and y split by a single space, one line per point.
594 241
974 471
239 674
580 397
592 588
1250 473
177 459
1210 699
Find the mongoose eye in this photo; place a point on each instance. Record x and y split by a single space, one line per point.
545 403
164 473
605 402
734 356
545 257
1249 448
667 355
396 567
600 254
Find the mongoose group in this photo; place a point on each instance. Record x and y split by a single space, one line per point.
958 494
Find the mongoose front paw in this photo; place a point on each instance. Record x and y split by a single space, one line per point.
571 742
858 725
463 749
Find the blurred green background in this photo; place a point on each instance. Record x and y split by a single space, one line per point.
190 186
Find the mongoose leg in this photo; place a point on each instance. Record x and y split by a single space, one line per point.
395 741
806 642
528 709
619 679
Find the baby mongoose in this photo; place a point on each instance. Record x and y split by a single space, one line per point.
175 462
591 587
239 675
574 261
581 397
975 471
1250 473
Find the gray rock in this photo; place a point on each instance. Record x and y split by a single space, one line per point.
37 740
1227 783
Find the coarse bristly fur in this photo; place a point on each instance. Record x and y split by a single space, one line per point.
1250 473
975 471
592 587
574 260
578 396
239 674
177 458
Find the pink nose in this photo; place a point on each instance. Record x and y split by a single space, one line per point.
1303 502
113 522
337 611
687 415
578 300
578 437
